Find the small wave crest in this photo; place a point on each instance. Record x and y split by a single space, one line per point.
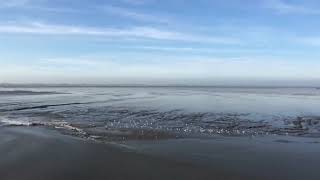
22 92
4 121
14 122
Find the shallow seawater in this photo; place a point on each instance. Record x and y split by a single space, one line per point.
147 113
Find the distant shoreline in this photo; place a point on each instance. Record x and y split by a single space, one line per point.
8 85
21 92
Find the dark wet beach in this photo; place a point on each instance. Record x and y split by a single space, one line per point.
34 154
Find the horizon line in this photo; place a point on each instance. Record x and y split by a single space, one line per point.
30 85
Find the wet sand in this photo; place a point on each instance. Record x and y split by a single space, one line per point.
264 157
36 153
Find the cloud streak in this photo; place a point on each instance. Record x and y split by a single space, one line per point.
13 3
138 2
283 7
37 28
127 13
312 41
35 6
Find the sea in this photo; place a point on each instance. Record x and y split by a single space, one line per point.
120 113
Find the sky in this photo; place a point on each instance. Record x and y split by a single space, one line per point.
191 42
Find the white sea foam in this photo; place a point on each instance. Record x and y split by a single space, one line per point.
66 126
15 122
4 121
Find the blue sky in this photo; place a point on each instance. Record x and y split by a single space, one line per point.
206 42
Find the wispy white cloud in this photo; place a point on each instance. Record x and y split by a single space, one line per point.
138 2
35 5
280 6
13 3
311 41
191 49
42 28
132 32
127 13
